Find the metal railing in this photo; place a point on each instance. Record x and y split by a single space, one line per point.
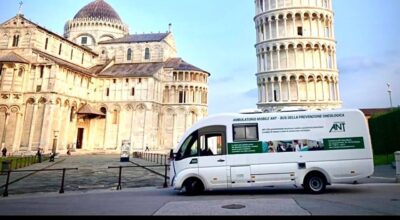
64 170
161 160
153 157
165 176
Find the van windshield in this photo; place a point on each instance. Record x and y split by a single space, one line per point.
189 148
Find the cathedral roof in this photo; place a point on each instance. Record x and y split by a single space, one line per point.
98 9
138 38
142 69
88 110
179 64
132 70
64 63
12 58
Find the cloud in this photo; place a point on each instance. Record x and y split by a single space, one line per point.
233 102
356 64
367 88
252 94
225 79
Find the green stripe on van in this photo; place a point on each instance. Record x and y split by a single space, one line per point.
344 143
245 148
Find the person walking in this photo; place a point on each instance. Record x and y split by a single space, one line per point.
39 155
4 152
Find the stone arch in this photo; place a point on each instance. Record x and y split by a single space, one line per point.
86 35
30 101
293 86
106 37
58 101
3 108
74 104
289 15
302 81
42 100
128 107
141 106
103 109
15 108
67 103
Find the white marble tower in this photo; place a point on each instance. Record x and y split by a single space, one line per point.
296 55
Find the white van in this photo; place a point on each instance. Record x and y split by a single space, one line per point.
302 149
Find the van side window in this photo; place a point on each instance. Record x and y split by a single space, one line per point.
245 132
211 145
189 148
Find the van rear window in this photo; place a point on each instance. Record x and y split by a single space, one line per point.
245 132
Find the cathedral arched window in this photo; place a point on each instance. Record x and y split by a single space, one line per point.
20 72
72 113
46 43
103 110
1 70
129 54
15 41
84 40
60 49
115 117
147 54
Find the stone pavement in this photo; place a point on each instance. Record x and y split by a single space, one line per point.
241 207
382 174
93 174
341 199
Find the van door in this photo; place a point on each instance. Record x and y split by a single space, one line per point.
212 161
241 177
187 158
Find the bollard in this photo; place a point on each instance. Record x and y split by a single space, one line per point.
397 157
119 187
165 177
5 193
62 182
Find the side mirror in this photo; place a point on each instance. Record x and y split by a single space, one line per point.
171 155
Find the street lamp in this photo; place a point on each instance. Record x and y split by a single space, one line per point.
390 95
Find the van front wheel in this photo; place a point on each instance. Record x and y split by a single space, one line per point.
193 187
315 184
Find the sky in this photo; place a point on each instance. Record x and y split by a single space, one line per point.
219 36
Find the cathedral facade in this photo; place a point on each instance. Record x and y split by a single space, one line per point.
95 87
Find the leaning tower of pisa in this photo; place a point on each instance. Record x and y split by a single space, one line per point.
296 55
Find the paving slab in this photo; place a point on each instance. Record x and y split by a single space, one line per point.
241 207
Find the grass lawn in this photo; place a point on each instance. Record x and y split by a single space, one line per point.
19 162
383 159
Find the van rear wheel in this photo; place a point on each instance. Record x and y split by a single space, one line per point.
193 187
315 183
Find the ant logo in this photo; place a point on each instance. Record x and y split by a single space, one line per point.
338 127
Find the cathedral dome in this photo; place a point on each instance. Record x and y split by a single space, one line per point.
98 9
